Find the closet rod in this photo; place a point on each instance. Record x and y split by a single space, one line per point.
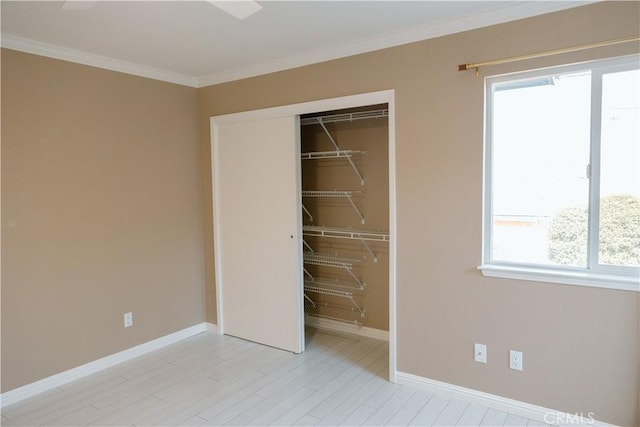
345 117
476 66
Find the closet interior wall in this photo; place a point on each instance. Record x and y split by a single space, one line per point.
371 136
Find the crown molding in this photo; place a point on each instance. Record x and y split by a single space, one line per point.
58 52
408 35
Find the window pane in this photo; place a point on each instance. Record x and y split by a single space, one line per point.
540 153
619 234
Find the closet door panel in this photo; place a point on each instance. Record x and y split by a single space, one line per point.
257 214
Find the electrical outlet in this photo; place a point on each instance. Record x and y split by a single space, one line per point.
515 360
480 353
128 319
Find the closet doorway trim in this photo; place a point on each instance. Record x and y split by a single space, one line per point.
352 101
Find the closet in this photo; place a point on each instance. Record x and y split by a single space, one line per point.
345 204
304 220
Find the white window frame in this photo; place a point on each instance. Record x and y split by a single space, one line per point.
595 274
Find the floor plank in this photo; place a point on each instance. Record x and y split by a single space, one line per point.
339 379
390 407
382 395
472 416
493 418
222 418
222 391
329 404
358 416
451 413
410 409
307 420
515 421
343 410
194 421
536 423
430 412
272 414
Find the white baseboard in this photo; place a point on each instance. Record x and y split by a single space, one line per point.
499 403
26 391
349 328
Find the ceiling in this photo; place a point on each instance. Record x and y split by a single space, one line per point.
196 44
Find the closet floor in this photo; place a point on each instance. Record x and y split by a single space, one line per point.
213 380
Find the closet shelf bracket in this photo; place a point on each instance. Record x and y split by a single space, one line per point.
333 141
307 212
309 275
313 304
332 194
306 245
344 154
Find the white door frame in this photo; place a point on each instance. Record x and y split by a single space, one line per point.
352 101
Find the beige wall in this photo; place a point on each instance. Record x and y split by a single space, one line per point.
101 214
580 344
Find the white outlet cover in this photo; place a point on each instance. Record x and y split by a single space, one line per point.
480 353
515 360
128 319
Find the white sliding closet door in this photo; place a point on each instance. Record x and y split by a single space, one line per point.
257 211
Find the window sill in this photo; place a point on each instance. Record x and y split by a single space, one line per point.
548 275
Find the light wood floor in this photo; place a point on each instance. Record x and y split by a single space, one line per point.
220 380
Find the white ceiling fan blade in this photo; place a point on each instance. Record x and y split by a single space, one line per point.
78 4
241 9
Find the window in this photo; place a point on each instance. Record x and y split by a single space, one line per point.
562 175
